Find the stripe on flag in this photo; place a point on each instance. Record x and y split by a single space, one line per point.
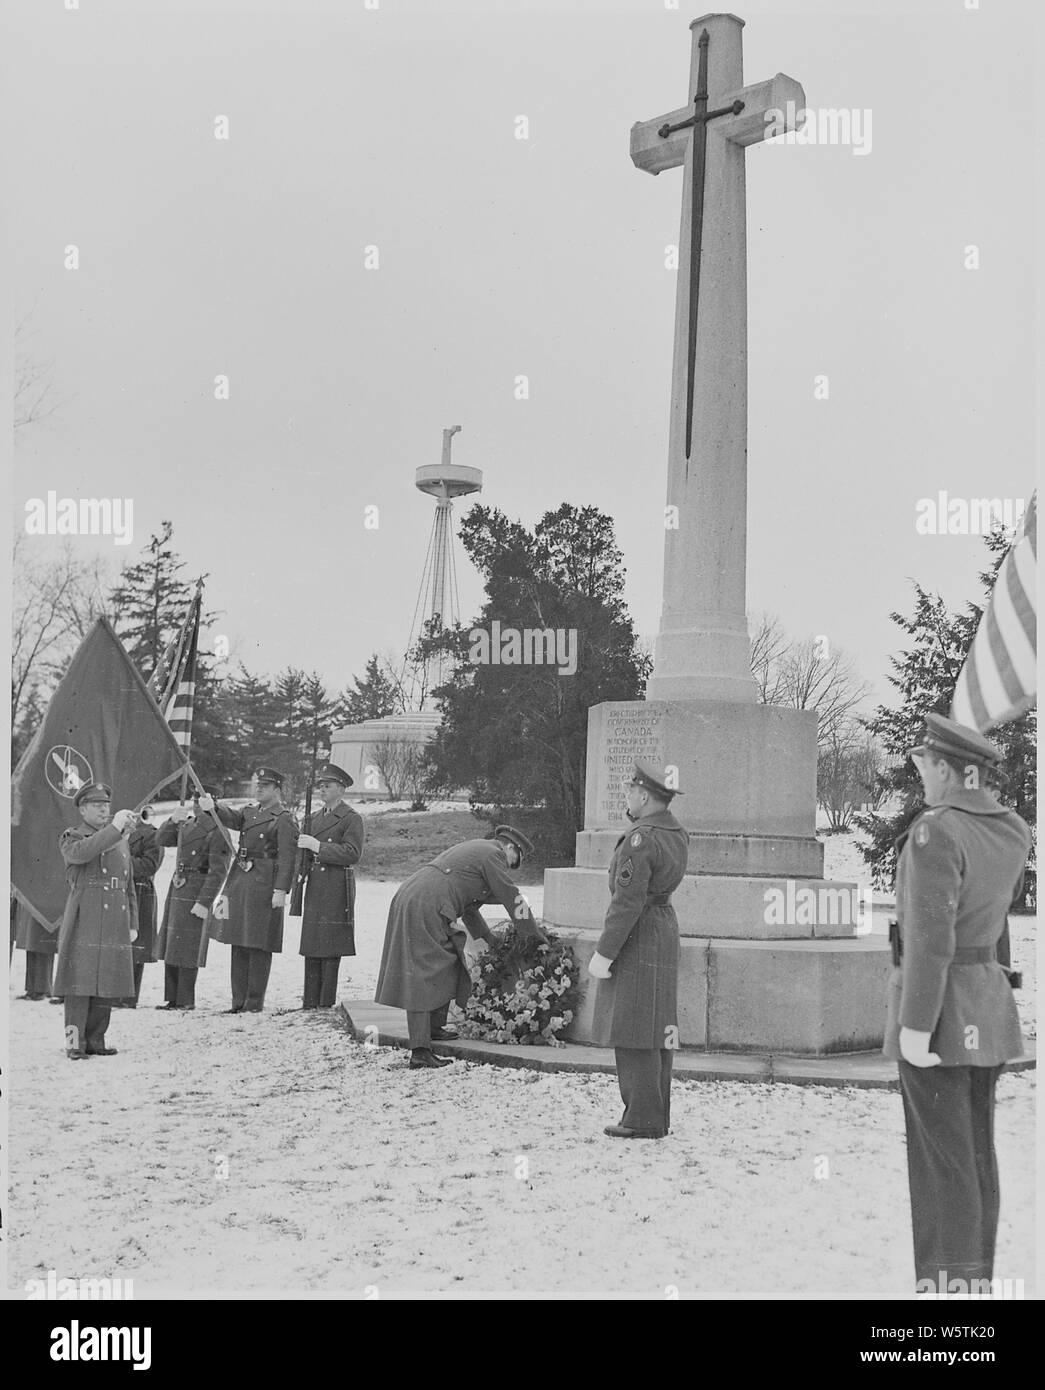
173 682
998 681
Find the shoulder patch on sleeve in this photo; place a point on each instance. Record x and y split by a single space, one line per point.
636 839
921 833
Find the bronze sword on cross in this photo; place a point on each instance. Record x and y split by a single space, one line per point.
699 122
747 115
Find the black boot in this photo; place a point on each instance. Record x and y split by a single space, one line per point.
425 1057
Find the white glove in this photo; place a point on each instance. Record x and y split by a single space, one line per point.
308 842
198 910
221 909
914 1048
599 967
123 820
181 813
279 897
134 934
206 803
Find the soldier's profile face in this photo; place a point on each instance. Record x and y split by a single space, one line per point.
512 854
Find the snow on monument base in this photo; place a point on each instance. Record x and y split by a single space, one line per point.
756 974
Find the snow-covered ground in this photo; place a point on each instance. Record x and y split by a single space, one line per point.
269 1153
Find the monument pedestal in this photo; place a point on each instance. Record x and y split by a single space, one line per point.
773 957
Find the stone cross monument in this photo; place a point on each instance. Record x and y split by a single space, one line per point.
757 973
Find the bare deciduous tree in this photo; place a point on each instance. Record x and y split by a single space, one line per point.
848 762
55 598
403 765
769 645
805 675
34 397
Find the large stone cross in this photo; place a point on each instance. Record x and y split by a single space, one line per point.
702 649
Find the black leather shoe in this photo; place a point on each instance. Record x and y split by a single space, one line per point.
74 1055
448 1034
101 1052
33 997
236 1009
425 1057
623 1132
166 1006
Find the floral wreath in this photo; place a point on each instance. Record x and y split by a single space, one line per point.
522 991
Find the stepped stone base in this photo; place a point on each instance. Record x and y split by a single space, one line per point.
808 998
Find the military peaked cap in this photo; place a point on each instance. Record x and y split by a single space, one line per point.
92 791
948 739
330 772
508 832
654 779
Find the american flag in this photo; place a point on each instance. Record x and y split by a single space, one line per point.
173 683
997 682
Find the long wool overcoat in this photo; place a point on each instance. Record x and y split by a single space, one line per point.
202 863
94 940
961 865
328 915
638 1005
264 864
146 858
422 964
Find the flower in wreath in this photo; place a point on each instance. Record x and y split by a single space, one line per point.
524 992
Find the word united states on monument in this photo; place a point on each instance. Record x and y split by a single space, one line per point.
998 681
102 725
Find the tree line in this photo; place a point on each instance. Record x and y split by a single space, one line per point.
513 737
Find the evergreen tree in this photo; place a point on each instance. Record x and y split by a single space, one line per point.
374 696
925 676
149 602
252 718
515 735
214 752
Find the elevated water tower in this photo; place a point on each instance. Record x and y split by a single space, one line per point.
437 597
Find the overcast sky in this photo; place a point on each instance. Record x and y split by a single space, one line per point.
396 128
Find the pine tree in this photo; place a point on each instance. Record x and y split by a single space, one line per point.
150 602
925 676
375 696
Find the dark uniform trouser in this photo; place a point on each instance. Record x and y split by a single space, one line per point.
39 972
131 1002
644 1077
321 981
420 1023
88 1017
952 1169
179 985
250 976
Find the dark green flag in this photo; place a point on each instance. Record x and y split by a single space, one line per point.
101 725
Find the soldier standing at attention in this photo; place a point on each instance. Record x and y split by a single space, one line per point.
952 1022
203 862
99 924
328 915
256 892
422 964
146 858
39 944
637 957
